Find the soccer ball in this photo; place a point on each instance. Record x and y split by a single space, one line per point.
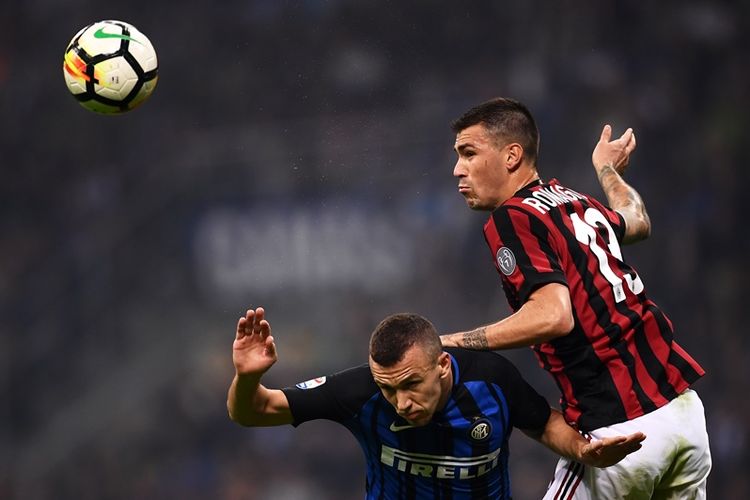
110 67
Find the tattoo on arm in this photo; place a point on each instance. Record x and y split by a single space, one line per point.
619 194
476 339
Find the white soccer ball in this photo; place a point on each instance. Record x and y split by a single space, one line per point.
110 67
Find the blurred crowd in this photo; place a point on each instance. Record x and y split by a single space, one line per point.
298 155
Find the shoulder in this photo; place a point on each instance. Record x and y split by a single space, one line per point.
487 366
336 397
354 381
515 216
350 385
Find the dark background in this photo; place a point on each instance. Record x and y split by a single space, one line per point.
297 155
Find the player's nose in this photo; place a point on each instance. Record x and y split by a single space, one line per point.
459 169
403 403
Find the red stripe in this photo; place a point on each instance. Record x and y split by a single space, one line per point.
532 248
589 320
575 486
687 357
546 352
561 487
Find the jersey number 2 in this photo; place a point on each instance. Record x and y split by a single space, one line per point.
586 233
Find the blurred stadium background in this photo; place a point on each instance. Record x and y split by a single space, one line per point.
297 155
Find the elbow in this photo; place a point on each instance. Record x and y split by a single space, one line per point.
232 414
645 228
637 228
557 323
561 325
560 321
641 230
551 312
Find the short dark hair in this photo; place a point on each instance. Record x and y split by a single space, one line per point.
507 120
397 333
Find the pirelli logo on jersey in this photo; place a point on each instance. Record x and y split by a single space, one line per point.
439 466
549 197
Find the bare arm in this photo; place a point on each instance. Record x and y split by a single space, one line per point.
610 159
561 438
253 353
545 316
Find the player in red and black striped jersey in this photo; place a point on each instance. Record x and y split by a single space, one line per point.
582 308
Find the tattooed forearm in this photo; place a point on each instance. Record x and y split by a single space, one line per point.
476 339
626 200
618 192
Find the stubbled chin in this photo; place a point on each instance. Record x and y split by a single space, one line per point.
473 204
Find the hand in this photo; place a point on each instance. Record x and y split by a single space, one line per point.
449 340
614 153
253 352
609 451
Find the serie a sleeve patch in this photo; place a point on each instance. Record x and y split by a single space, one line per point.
312 383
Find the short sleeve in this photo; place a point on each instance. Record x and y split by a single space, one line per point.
524 253
337 397
615 219
528 409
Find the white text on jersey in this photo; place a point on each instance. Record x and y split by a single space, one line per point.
551 196
439 466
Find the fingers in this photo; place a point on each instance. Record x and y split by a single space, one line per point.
636 437
625 137
631 145
253 323
261 326
241 325
270 347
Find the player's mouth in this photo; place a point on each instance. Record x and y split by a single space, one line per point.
464 189
412 417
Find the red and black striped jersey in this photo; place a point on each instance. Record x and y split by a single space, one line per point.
620 360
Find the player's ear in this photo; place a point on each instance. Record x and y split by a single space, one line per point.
513 156
444 364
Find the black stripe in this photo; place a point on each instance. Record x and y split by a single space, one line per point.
538 228
650 361
408 441
644 352
575 472
504 226
592 384
375 448
469 410
507 428
652 364
447 437
686 370
634 319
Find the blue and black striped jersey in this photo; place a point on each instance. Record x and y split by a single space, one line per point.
461 454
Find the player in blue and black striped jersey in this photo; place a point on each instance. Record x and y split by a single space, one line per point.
431 422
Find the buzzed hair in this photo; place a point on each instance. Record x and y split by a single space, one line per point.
507 120
397 333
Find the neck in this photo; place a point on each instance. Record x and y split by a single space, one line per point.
521 177
527 177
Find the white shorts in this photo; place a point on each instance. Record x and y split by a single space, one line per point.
673 463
